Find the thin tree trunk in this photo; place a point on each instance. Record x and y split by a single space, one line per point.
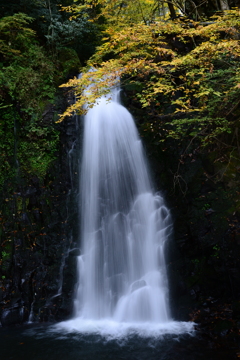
224 5
172 10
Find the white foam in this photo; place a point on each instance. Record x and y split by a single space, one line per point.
110 329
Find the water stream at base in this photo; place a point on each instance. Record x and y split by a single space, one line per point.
41 342
123 285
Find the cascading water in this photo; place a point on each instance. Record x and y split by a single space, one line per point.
122 273
124 226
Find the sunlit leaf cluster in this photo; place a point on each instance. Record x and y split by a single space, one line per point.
189 70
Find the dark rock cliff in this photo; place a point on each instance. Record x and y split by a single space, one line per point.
39 233
203 256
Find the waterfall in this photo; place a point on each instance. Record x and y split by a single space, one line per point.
124 225
124 229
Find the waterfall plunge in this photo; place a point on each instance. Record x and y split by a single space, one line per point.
122 275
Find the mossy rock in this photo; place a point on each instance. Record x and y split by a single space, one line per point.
69 61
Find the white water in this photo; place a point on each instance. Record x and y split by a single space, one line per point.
123 283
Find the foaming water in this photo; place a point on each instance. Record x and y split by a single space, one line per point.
109 329
44 342
122 285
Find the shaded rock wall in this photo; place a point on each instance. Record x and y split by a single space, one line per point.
38 234
203 256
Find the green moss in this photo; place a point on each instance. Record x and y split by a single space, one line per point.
31 147
6 254
6 144
38 150
69 61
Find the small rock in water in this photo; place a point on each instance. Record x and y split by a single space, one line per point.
137 285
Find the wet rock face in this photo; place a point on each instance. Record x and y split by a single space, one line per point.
40 239
204 254
14 315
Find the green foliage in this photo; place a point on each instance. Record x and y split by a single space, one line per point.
68 61
36 144
26 73
206 207
5 257
38 148
216 251
68 32
15 35
6 144
28 85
